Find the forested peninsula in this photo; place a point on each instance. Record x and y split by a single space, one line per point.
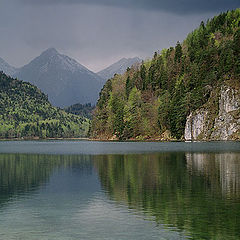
25 112
187 92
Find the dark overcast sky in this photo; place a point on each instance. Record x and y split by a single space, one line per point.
99 32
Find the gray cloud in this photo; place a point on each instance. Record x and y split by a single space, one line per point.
95 35
174 6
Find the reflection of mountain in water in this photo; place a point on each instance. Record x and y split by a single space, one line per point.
161 185
22 173
221 170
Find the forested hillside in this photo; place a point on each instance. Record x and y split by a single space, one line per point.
25 112
84 110
153 100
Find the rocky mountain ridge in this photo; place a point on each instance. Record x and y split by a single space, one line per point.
7 68
62 78
118 67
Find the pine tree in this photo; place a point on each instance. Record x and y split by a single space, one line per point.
178 52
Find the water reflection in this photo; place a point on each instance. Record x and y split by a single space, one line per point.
180 190
190 193
21 174
222 170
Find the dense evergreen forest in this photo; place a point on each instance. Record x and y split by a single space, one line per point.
154 99
25 112
84 110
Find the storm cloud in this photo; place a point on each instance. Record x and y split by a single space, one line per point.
98 32
174 6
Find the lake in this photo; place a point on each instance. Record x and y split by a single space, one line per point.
62 190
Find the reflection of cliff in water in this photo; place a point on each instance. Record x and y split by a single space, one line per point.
221 170
24 173
161 186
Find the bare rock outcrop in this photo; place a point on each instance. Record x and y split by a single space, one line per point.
204 124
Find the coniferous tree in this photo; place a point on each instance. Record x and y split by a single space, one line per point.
178 52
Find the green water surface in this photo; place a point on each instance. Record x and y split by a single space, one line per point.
119 190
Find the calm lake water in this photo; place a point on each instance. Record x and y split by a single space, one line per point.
57 190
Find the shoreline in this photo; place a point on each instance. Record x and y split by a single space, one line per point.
112 140
41 139
91 139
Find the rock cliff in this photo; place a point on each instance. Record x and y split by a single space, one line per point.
219 121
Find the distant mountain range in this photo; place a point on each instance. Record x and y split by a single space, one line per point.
6 68
63 79
118 67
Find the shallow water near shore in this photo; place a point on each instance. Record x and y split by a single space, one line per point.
113 190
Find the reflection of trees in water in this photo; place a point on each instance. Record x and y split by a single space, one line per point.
221 170
133 177
184 191
21 173
162 186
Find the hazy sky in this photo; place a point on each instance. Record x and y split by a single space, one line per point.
99 32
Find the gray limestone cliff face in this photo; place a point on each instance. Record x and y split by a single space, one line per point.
196 124
202 125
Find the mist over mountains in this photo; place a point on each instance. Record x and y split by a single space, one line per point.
63 79
7 68
119 67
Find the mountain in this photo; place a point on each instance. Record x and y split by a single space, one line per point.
25 112
63 79
119 67
6 68
187 92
